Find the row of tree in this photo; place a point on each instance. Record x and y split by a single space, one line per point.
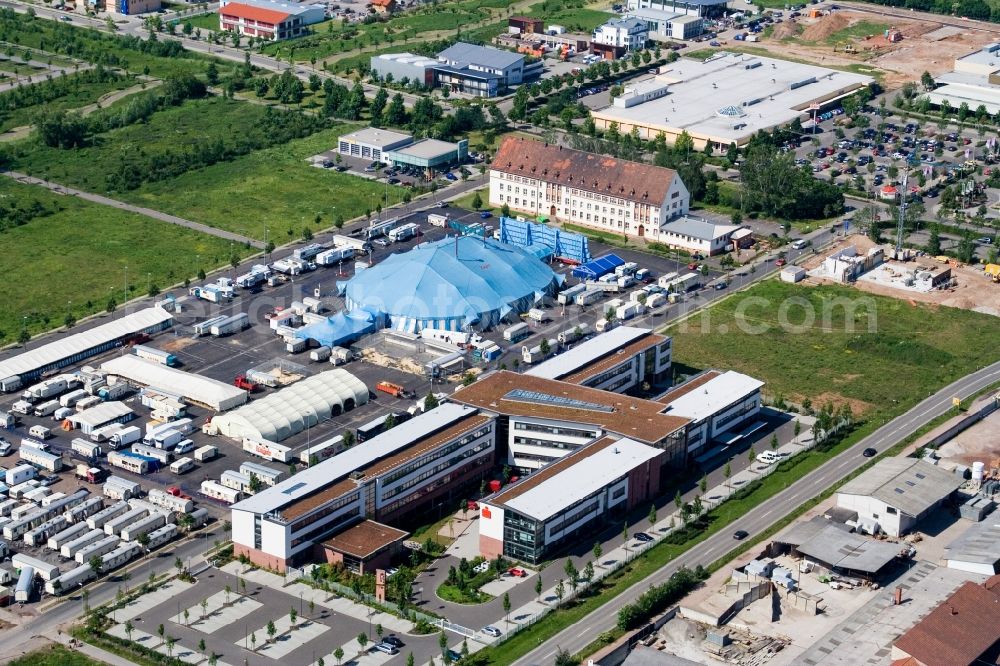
52 89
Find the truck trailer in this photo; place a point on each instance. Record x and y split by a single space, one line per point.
156 355
229 325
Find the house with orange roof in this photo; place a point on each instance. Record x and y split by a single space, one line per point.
384 7
265 19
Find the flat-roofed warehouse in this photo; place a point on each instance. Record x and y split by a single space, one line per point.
371 142
294 408
29 365
726 99
534 517
198 389
406 471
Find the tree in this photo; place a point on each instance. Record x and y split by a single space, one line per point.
204 608
751 454
362 640
338 654
652 515
228 591
505 210
538 587
187 617
129 628
96 563
443 643
544 347
727 471
966 250
348 438
253 641
271 631
560 591
430 401
506 606
597 550
588 572
212 74
171 641
703 483
774 443
564 658
201 645
927 81
293 615
477 201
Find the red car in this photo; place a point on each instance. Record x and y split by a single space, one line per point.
780 262
516 572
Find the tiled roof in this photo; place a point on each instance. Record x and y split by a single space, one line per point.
959 632
239 10
365 539
632 181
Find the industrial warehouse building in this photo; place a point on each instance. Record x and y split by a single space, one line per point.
618 360
198 389
395 476
266 19
30 365
725 99
101 415
531 519
592 190
404 68
291 410
896 494
371 142
544 419
452 284
483 71
975 81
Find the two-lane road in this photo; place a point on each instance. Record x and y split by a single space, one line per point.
581 634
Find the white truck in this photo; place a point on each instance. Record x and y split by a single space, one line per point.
334 256
125 436
437 220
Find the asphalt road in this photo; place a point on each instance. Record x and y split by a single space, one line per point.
579 635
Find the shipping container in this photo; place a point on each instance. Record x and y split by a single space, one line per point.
67 534
100 547
71 548
220 492
206 453
234 324
44 569
71 580
156 355
323 451
516 332
99 519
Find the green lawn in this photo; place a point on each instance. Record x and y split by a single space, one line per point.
859 30
54 655
274 188
83 248
208 21
78 95
913 350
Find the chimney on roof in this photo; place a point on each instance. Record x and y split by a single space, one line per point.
952 609
897 597
508 165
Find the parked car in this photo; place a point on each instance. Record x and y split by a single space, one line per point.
517 572
385 648
392 640
780 262
642 537
719 286
486 215
5 447
492 631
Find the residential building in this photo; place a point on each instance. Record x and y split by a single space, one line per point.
962 631
619 360
625 34
716 405
592 190
133 7
541 420
400 476
371 143
404 68
535 517
699 236
896 494
728 98
268 20
470 68
383 7
431 155
524 25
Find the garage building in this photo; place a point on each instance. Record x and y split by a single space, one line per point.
104 414
291 410
194 388
429 154
371 143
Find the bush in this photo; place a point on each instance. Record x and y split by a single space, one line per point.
658 597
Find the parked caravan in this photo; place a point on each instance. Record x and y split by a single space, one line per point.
571 335
100 547
319 354
567 296
126 436
236 481
73 397
99 519
44 569
334 256
323 451
71 548
118 488
206 453
630 310
184 426
220 492
198 517
182 466
85 509
67 534
535 354
86 450
47 408
25 585
589 296
132 462
358 244
268 450
40 535
230 325
161 535
164 457
203 327
22 407
6 505
116 525
87 403
103 434
516 332
18 491
42 459
49 500
403 233
112 392
71 580
267 475
20 474
144 526
170 502
46 389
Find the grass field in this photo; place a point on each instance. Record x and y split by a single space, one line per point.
75 258
81 95
54 655
274 188
859 30
913 349
208 21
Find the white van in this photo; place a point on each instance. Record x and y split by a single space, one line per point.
800 243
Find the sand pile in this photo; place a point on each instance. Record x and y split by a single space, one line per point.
825 27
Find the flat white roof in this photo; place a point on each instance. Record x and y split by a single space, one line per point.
582 479
587 352
409 59
428 148
101 414
714 395
72 345
197 388
358 457
765 91
960 87
377 137
985 56
699 229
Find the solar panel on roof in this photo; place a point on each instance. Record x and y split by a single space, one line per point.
292 489
536 397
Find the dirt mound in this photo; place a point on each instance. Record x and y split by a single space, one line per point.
785 30
825 27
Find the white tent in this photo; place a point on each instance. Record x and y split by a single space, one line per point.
198 389
295 408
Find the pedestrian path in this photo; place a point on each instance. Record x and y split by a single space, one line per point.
217 613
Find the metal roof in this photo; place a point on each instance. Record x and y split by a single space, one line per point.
579 475
912 486
844 550
100 414
700 229
980 544
714 395
427 149
602 265
330 471
587 352
78 343
463 55
377 137
220 396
